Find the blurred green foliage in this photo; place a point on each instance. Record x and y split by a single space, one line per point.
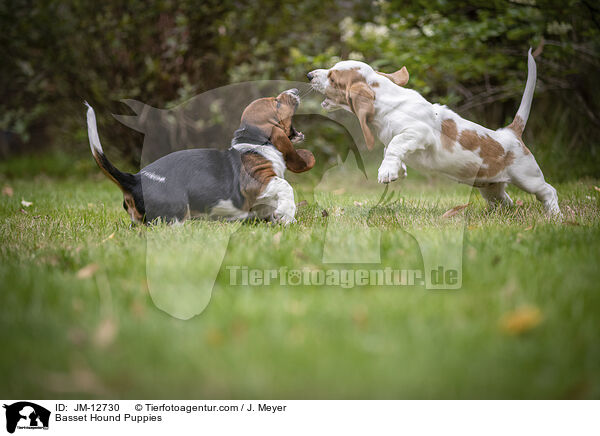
467 54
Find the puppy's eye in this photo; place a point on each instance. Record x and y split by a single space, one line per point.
278 103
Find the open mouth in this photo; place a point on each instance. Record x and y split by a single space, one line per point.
295 136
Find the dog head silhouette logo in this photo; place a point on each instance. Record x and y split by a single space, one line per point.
26 415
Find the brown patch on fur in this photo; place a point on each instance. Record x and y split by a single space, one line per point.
374 85
135 215
342 79
255 174
267 112
524 147
449 134
262 113
517 126
296 160
490 151
351 88
273 115
399 77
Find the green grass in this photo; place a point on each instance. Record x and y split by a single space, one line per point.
102 336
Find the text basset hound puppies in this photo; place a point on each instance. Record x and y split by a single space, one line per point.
432 137
244 181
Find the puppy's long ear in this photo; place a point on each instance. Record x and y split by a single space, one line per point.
296 161
360 99
400 77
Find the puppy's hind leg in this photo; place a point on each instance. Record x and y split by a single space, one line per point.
495 195
527 175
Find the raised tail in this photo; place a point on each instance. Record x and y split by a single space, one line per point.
518 124
125 181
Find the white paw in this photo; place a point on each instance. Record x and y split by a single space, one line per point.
284 219
388 173
285 212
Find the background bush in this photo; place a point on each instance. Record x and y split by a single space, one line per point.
467 54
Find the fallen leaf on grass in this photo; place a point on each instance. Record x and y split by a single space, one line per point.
105 333
77 304
359 204
519 238
529 228
50 260
302 204
8 191
214 337
456 209
521 320
238 329
112 235
519 202
596 188
138 309
26 203
324 213
360 317
76 335
571 223
300 255
87 271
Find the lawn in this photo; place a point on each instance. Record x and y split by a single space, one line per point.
77 318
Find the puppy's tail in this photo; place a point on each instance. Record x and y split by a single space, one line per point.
125 181
518 124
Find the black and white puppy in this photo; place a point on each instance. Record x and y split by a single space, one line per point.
245 181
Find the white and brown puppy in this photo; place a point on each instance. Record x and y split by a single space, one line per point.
245 181
432 137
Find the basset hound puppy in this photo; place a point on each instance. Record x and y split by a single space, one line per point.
245 181
431 137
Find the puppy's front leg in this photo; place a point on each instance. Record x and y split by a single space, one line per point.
391 170
280 195
393 165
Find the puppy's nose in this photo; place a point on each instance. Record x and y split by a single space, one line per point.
310 75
